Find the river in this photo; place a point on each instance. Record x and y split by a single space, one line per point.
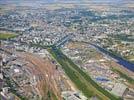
120 60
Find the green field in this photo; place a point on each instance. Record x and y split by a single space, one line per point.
81 79
123 37
7 36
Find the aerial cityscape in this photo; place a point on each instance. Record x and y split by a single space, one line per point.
66 50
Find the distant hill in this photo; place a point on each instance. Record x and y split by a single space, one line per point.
40 2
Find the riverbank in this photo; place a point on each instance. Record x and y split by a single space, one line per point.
83 81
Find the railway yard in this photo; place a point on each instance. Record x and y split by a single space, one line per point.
34 76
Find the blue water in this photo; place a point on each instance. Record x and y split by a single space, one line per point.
102 79
120 60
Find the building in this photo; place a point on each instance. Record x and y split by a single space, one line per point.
119 89
70 95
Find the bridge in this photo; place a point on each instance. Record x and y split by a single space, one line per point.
64 40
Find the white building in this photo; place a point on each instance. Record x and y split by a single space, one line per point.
119 89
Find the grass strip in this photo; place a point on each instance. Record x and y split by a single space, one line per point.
6 36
